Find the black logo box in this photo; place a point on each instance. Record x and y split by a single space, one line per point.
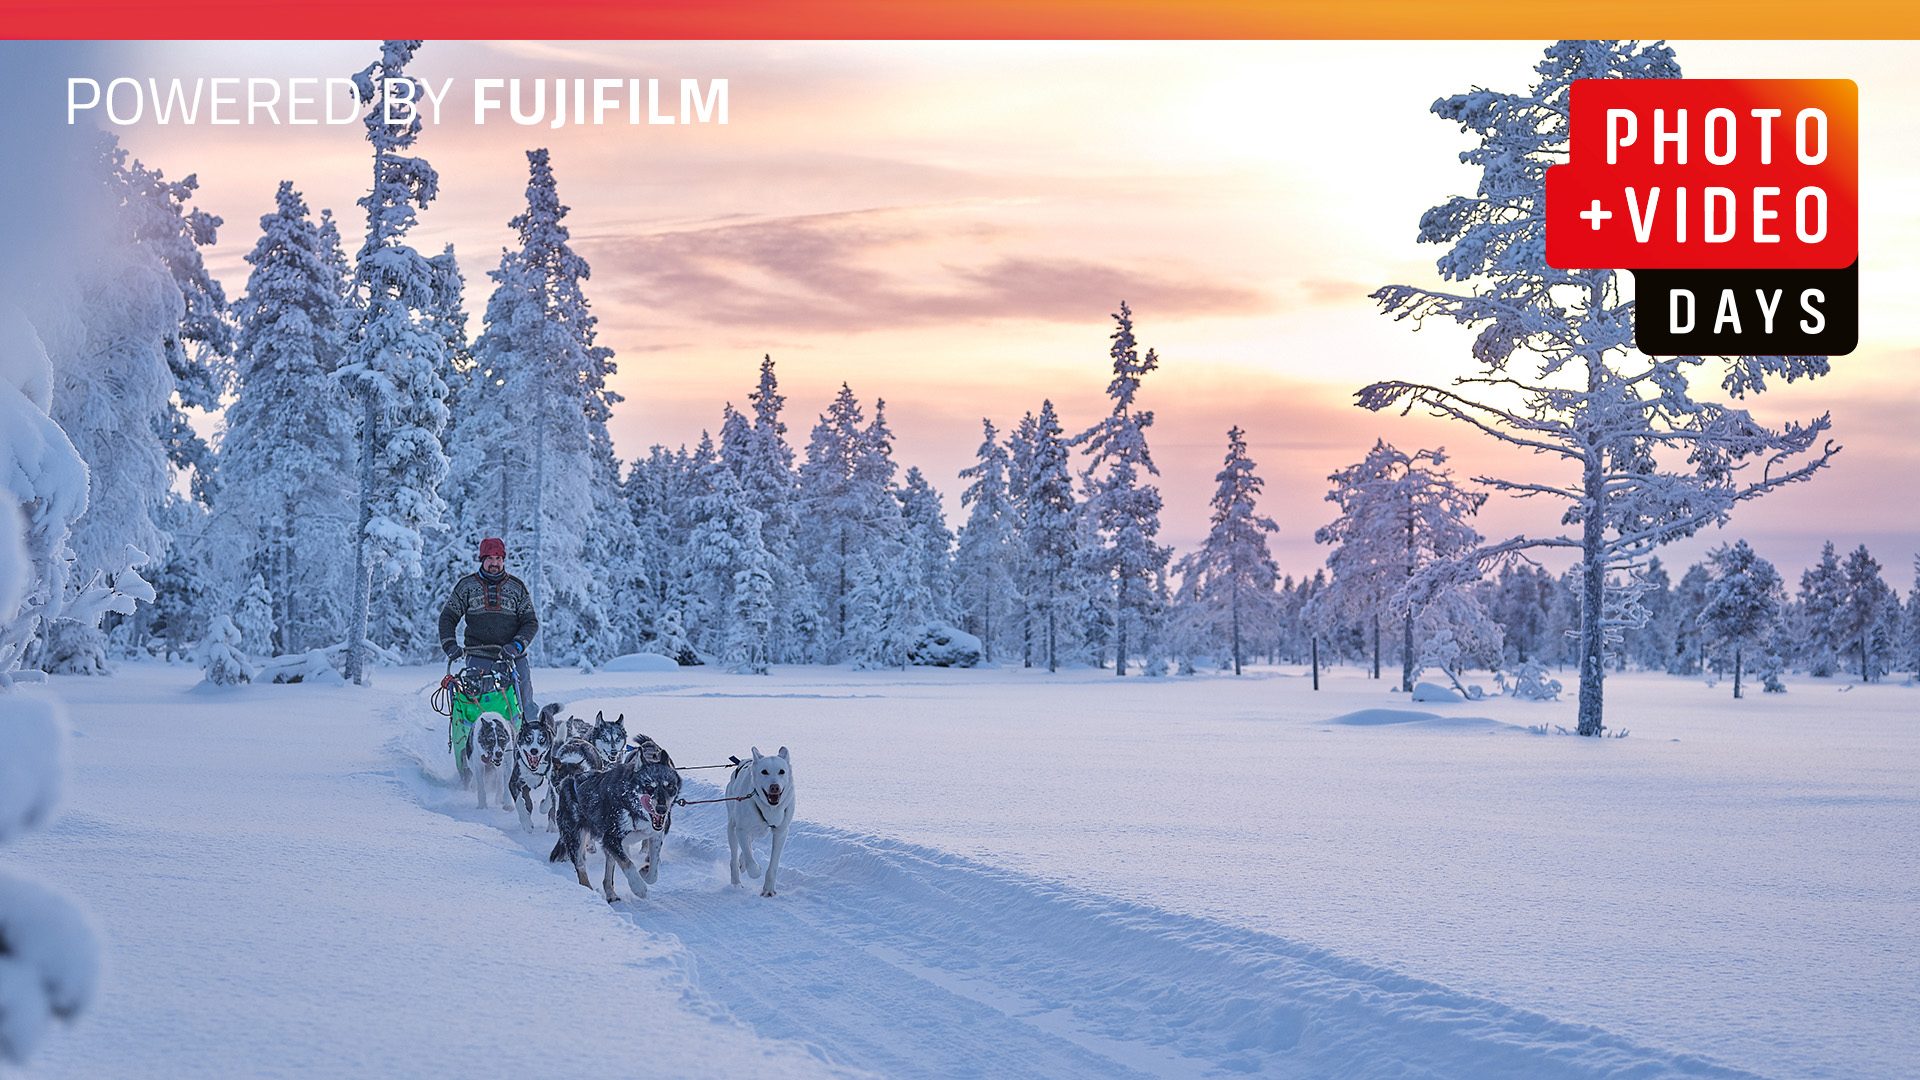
1727 312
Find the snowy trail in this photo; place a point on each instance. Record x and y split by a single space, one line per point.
909 962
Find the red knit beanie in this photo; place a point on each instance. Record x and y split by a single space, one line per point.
492 545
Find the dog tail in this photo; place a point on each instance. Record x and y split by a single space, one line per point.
559 851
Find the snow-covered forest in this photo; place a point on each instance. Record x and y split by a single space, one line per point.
278 479
365 412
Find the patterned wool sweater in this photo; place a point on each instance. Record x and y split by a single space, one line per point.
496 613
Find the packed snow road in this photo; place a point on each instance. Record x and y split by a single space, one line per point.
288 884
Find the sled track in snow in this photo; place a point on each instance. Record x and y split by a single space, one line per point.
912 963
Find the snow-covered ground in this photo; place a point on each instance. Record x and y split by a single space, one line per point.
1005 873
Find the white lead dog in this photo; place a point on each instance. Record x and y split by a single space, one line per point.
763 787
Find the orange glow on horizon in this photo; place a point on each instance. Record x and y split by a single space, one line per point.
739 20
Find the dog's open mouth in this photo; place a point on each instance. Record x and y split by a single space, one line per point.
773 795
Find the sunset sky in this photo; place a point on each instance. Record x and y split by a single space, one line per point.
948 225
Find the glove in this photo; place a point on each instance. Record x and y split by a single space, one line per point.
514 650
453 649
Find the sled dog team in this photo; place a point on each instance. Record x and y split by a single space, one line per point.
603 790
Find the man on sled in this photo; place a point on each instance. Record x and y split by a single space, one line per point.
500 622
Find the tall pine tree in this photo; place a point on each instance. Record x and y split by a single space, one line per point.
287 456
984 563
1123 507
1049 537
544 388
1232 575
397 364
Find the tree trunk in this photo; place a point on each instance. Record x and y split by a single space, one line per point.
1316 661
1053 658
1593 581
504 516
539 569
1376 644
1236 626
1026 636
283 585
1406 654
1120 637
1736 673
362 558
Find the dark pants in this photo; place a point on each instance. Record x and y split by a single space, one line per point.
523 685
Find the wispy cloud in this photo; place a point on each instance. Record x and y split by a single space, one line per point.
884 269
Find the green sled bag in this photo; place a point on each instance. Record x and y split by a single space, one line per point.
479 692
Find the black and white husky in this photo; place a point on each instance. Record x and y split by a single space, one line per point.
609 736
661 780
533 770
763 788
613 809
492 742
575 757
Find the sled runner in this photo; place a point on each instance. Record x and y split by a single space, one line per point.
485 684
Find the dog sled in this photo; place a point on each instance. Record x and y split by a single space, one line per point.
484 683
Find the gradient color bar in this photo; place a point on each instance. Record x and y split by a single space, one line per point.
951 19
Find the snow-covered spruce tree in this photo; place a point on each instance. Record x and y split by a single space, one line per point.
1689 654
1652 463
477 439
1861 618
888 606
1823 589
46 480
1743 604
548 379
48 956
613 547
984 564
845 491
691 590
1521 605
929 542
648 493
724 553
1019 467
1910 624
1232 575
1123 508
144 334
1399 514
287 456
835 515
220 655
254 619
757 452
1049 539
396 363
750 631
394 614
200 355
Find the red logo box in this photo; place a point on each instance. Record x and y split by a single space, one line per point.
1708 174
